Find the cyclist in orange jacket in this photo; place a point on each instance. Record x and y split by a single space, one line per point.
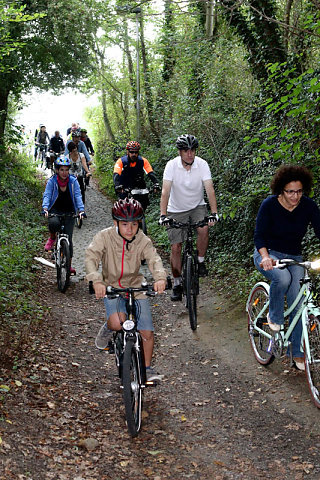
129 172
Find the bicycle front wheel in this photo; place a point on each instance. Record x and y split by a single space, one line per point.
191 291
132 388
259 342
63 266
313 366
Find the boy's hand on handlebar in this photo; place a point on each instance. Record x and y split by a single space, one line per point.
45 212
99 290
159 286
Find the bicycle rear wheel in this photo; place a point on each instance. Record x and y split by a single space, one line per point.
63 266
313 366
259 342
132 388
191 291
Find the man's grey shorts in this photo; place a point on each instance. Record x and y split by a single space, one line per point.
143 310
179 235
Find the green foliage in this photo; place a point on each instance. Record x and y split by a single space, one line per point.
21 236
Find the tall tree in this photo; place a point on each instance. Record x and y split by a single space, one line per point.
50 49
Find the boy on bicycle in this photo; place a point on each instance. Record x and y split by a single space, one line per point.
120 249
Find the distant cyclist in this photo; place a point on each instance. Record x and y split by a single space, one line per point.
86 140
129 172
62 195
75 134
79 167
41 138
56 146
120 250
184 180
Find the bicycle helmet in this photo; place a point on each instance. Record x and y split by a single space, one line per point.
133 146
76 133
127 210
62 161
187 142
83 130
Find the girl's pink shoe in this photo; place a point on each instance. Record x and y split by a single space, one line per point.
50 244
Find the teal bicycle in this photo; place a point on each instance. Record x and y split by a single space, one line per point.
268 345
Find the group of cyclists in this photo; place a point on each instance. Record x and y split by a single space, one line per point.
281 225
55 146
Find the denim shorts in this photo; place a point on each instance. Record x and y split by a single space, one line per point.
143 310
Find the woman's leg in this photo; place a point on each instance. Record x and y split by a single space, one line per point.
296 274
280 282
69 226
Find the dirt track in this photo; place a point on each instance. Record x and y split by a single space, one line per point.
217 414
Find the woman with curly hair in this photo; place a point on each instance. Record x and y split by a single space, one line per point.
282 222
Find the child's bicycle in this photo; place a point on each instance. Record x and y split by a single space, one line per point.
268 345
61 253
128 349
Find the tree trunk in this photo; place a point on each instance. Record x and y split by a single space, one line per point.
105 116
4 96
147 84
132 78
287 23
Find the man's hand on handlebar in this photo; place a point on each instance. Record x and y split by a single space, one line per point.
45 212
119 189
212 219
156 188
82 215
164 220
100 290
159 286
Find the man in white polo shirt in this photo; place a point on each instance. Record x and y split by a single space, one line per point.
184 179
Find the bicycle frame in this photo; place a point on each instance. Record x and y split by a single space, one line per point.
306 308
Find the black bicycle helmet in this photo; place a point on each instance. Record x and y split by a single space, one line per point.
127 210
187 142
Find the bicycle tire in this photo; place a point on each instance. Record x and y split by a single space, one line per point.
132 388
259 342
63 268
191 291
313 367
144 225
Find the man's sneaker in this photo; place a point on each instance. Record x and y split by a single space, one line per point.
103 337
176 295
202 269
275 327
72 271
153 376
50 244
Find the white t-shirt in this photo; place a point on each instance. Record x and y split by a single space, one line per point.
187 185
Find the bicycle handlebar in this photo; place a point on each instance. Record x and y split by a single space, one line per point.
64 215
286 262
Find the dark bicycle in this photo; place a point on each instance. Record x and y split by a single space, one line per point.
61 252
189 273
128 349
